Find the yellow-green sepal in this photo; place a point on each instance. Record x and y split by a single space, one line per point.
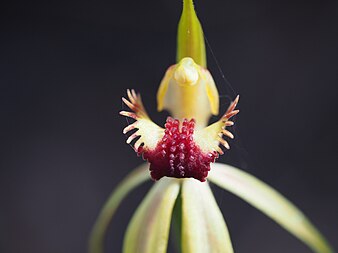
135 178
190 38
270 202
203 227
148 231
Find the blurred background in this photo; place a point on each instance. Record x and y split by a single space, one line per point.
66 64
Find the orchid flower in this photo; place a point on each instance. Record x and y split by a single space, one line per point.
181 159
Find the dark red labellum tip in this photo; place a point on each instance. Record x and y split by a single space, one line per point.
177 154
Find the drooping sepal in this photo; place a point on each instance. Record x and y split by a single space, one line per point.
204 229
148 230
129 183
270 202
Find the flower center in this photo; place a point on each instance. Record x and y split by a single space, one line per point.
177 154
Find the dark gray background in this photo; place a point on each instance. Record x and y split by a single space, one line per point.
64 66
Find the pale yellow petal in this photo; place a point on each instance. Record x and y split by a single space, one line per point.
162 90
212 93
148 231
270 202
203 227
